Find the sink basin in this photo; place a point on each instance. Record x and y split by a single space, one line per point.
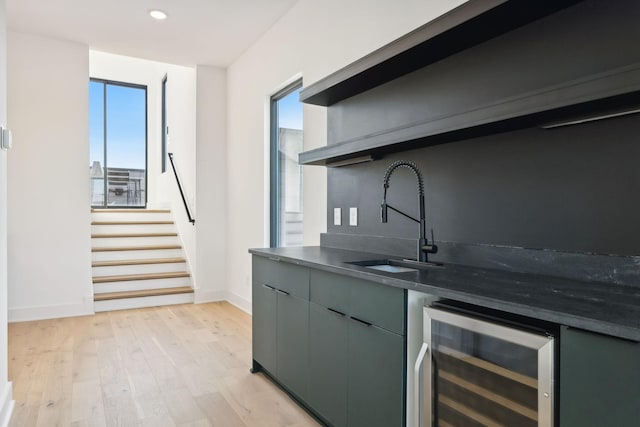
396 265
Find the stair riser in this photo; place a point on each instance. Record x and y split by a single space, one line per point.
138 228
135 216
138 285
112 242
138 269
129 303
146 254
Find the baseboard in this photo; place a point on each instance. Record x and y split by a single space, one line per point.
201 296
25 314
6 405
240 302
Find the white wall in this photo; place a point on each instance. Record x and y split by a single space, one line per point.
48 195
314 38
211 183
181 119
5 386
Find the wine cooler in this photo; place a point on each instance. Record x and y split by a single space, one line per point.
475 369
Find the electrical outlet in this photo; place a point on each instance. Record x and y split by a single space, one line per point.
353 216
337 216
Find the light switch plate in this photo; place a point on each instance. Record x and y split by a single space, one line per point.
353 216
5 138
337 216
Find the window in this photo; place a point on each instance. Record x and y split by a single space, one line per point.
165 129
117 144
286 172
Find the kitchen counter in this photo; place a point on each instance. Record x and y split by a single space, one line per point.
600 307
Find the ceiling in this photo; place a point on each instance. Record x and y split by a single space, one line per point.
196 32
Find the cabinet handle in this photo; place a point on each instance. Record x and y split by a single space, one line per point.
282 292
365 323
417 384
274 259
268 287
336 312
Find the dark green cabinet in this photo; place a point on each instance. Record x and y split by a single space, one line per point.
335 342
376 376
292 348
264 326
281 322
328 364
599 380
358 351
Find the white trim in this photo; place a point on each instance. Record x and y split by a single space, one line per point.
25 314
6 405
240 302
201 296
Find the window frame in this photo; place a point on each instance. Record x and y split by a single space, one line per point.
274 162
165 127
105 83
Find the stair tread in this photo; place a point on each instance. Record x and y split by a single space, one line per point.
137 262
134 248
131 222
130 210
142 293
118 235
146 276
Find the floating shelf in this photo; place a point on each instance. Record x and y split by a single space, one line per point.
463 27
601 93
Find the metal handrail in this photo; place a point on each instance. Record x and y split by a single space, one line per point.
184 200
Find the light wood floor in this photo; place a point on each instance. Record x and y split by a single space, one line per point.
184 365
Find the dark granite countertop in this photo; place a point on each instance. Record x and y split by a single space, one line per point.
605 308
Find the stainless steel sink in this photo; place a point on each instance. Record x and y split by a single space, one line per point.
396 265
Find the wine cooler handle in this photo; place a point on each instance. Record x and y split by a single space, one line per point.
417 383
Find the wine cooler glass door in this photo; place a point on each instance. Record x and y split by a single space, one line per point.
479 373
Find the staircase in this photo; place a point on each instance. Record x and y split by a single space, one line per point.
137 260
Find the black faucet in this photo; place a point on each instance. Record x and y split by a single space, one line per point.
423 245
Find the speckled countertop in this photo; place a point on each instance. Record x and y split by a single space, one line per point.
595 306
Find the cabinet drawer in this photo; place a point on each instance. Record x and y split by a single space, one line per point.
329 290
282 275
380 305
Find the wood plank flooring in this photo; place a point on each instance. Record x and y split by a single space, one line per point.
184 365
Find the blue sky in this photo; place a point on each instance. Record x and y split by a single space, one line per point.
126 125
290 111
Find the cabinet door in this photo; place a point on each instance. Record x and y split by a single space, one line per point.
328 364
376 377
264 326
292 348
599 380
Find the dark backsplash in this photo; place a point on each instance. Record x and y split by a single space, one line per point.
571 189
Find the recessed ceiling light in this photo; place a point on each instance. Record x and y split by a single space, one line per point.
158 14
